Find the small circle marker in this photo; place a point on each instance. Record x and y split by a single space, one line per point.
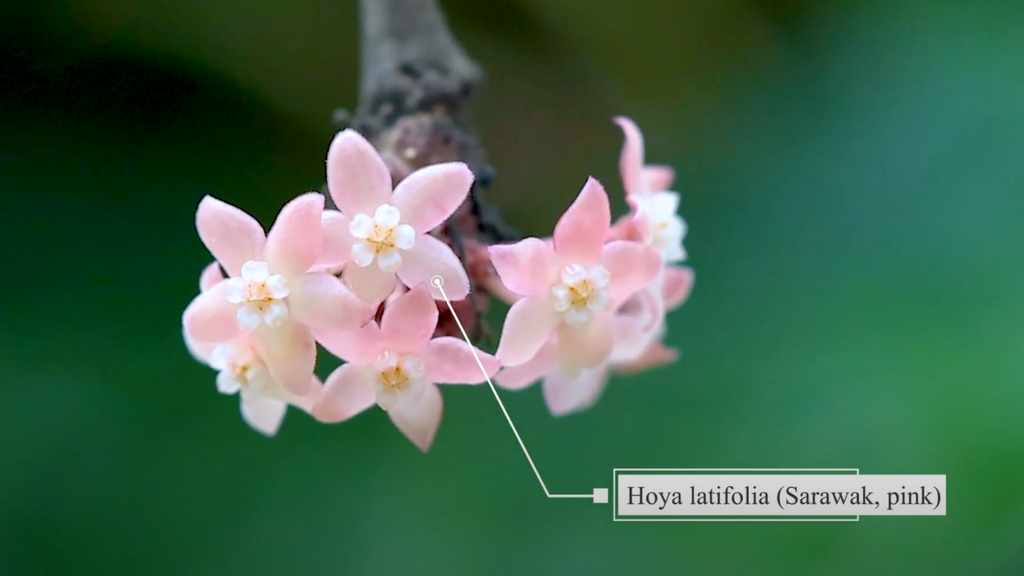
437 281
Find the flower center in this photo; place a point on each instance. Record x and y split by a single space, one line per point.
261 295
397 376
665 229
581 293
381 237
667 237
240 369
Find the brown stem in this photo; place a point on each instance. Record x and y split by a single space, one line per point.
417 84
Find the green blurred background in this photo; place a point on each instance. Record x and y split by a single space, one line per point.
852 177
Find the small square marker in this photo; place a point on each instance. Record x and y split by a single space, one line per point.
600 495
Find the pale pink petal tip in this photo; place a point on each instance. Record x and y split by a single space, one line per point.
357 177
678 285
263 414
296 239
210 276
231 235
580 232
655 356
419 419
529 372
566 395
631 159
429 196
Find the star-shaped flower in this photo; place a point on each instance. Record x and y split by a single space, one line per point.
571 286
241 370
396 365
270 292
378 234
638 328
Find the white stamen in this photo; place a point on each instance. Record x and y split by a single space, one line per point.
240 369
581 293
398 377
261 294
665 229
381 238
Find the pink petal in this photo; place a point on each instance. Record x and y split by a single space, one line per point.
450 360
431 257
354 346
263 414
658 178
419 419
323 301
337 247
525 374
347 392
632 266
296 239
580 232
231 235
210 317
528 267
307 401
627 227
565 395
528 325
369 284
429 196
200 351
588 346
290 354
409 321
211 275
631 160
656 355
357 177
634 333
678 283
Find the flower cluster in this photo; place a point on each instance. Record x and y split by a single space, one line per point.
588 301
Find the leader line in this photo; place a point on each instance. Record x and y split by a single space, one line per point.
438 283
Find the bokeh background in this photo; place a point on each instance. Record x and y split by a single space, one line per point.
852 176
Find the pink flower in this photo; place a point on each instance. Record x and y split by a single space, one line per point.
654 208
570 287
379 234
241 370
269 293
640 347
396 365
638 326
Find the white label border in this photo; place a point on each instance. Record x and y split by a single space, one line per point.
615 491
